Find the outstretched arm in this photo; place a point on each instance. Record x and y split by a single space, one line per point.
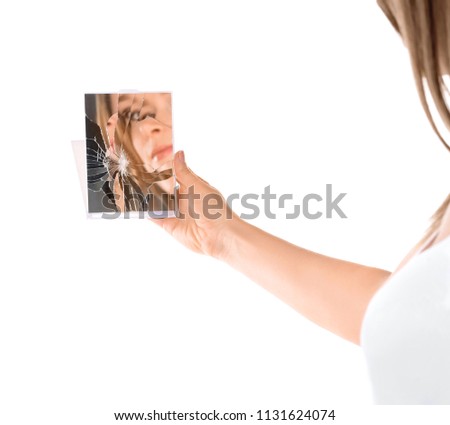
332 293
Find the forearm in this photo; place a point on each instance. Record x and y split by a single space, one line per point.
332 293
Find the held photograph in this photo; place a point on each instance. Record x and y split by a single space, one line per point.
129 153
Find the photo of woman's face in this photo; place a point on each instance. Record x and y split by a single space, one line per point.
151 129
137 132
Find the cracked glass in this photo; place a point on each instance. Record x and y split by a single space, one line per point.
129 153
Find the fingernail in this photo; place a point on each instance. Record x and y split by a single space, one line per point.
181 155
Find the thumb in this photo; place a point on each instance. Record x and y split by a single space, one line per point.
183 173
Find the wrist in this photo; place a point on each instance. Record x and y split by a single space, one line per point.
231 237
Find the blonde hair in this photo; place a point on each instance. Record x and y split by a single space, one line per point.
424 26
135 185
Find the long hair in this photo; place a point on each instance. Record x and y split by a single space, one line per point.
424 26
136 183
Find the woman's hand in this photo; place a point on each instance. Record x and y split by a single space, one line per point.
205 219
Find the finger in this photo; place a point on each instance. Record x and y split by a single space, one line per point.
158 221
196 175
167 224
183 173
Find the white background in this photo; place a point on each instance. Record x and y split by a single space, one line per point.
100 316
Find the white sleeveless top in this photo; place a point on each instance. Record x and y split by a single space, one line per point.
405 334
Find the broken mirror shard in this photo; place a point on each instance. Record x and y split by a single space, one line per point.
129 153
